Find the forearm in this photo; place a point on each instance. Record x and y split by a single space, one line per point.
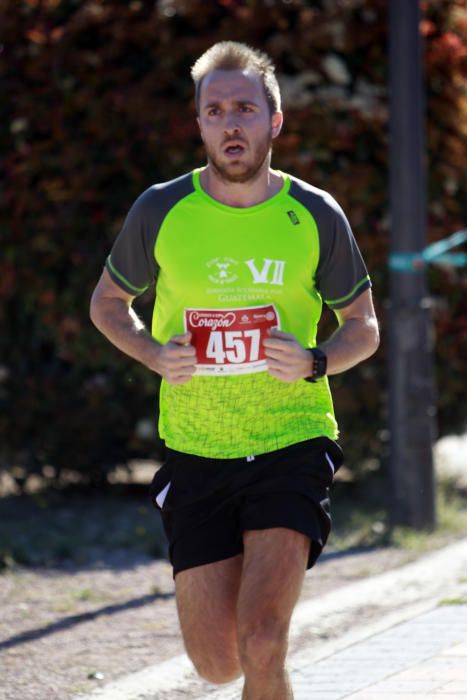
351 343
118 322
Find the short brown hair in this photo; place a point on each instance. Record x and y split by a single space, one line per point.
232 55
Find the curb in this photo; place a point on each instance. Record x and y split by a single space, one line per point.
399 595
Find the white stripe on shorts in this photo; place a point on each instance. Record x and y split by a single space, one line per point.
333 469
160 498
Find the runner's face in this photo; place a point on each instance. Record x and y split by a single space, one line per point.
235 123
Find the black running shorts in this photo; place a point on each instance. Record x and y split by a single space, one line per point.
207 504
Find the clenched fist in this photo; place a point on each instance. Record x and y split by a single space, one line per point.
176 359
287 359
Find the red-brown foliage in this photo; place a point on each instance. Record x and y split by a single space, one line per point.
97 104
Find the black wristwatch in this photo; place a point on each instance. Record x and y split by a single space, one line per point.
319 366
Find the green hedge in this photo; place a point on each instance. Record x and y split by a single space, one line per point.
97 104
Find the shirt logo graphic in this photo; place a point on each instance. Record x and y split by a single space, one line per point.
293 217
220 270
272 271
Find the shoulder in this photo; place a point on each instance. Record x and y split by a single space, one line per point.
314 198
326 212
165 194
150 209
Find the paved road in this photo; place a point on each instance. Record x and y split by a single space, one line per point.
409 648
424 657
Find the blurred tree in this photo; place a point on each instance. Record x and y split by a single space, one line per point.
97 105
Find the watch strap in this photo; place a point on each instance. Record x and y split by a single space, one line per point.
319 364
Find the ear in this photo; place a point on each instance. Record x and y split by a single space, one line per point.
277 120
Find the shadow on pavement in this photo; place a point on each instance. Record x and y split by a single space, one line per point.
350 552
72 620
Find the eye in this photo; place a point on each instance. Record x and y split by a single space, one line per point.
213 111
245 108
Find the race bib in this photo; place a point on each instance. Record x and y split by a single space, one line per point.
230 341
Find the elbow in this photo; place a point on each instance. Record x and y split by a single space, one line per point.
369 337
94 307
374 338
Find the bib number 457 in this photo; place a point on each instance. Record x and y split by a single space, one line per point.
231 346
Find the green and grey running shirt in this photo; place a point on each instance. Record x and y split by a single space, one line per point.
227 274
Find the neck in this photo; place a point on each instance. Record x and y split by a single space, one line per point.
263 186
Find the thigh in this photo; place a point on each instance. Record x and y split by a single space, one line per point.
274 565
304 510
206 602
200 521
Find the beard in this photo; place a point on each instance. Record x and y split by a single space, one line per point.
242 171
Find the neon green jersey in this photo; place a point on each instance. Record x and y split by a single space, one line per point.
211 263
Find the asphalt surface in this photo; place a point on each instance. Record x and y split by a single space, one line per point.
396 636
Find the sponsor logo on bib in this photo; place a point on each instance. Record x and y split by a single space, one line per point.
211 319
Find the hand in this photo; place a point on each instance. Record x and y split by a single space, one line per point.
176 359
287 359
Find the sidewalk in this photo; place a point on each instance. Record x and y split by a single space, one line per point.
425 657
412 647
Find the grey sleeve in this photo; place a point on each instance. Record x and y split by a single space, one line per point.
341 275
131 263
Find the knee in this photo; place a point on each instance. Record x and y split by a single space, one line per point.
216 670
263 646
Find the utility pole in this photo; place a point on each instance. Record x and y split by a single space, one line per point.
411 389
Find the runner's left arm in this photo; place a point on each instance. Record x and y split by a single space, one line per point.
345 287
355 339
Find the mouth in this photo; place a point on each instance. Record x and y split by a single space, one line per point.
234 149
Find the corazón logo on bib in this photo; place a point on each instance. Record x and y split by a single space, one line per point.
211 319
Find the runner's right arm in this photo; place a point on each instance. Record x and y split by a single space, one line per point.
112 313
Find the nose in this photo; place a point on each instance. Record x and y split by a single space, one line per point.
231 123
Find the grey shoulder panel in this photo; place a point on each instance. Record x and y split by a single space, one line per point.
341 275
131 263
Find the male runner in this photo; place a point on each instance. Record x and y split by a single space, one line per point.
242 257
